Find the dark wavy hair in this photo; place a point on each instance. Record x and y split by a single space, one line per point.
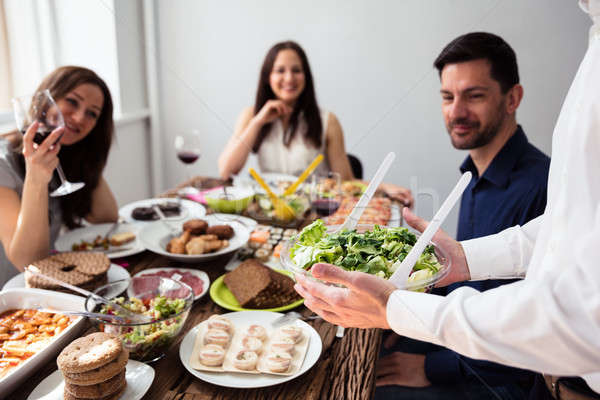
85 160
487 46
306 103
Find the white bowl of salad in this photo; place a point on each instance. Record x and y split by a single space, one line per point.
372 249
165 301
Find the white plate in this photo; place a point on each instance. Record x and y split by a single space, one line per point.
200 274
155 238
238 380
89 233
139 378
247 222
115 273
189 209
28 298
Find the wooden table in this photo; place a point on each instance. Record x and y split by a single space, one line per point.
345 370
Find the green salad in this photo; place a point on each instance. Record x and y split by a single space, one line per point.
298 204
144 340
379 252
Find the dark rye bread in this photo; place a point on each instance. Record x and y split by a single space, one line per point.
254 285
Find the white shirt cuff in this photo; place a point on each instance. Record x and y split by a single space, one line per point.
412 314
489 258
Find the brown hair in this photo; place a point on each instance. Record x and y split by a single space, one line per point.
85 160
486 46
307 102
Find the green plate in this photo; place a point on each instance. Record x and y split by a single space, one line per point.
223 297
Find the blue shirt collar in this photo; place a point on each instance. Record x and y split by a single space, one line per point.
499 169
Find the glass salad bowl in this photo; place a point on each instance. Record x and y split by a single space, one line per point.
264 212
379 251
166 301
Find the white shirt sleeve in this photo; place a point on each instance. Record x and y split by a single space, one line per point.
503 255
551 325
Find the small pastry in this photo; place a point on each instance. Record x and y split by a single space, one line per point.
257 331
219 322
267 246
278 362
245 360
251 343
212 355
283 345
216 336
291 331
262 254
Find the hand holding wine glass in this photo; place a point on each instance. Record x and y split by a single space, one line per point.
41 121
41 159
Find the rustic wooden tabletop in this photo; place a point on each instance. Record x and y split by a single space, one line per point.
345 369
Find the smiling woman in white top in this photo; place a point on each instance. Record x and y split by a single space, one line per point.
30 220
286 128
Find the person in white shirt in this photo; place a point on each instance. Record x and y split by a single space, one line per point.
547 322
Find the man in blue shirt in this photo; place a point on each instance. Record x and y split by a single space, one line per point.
480 95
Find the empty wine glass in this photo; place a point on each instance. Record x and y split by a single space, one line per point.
187 147
326 193
42 108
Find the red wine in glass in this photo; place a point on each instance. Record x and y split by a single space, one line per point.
325 207
40 135
187 157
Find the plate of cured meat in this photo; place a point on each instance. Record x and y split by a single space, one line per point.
196 279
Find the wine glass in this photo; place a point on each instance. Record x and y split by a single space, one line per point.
187 147
42 108
326 193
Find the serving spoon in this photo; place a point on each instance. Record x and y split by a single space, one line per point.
401 274
282 210
314 164
130 315
104 317
359 208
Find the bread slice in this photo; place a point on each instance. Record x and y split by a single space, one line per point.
254 285
119 239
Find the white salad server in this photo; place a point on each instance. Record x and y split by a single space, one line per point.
359 208
400 276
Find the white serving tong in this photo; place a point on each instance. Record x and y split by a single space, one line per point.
400 276
359 208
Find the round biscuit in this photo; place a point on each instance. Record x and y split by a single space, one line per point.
89 352
98 390
88 263
57 270
112 396
100 374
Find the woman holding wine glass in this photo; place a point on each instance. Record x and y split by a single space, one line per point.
30 219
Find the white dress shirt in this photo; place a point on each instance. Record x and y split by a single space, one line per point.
550 321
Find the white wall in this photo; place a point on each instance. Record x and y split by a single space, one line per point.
372 62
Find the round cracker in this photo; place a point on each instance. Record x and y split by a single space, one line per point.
113 396
98 390
88 263
100 374
89 352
